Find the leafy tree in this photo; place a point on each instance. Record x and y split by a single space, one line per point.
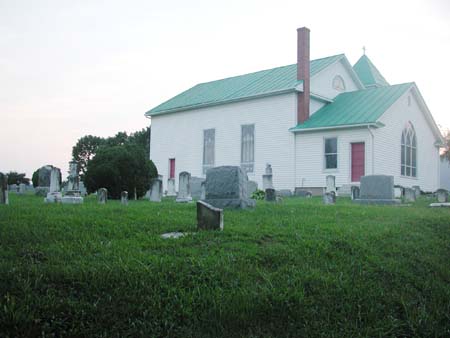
16 178
120 139
85 150
141 138
35 178
118 168
446 153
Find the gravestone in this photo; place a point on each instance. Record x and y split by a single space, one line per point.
22 188
184 188
155 190
171 187
102 196
196 187
267 178
442 195
303 193
252 186
209 217
4 189
44 176
331 183
284 193
270 195
203 195
354 192
124 197
409 195
73 193
13 188
398 191
329 198
226 186
54 194
83 190
377 189
440 205
417 190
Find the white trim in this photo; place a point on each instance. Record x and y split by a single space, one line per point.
375 125
320 97
324 154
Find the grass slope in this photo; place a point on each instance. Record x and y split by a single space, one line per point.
282 270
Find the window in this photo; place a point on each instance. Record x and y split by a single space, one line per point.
338 83
409 152
209 138
331 153
247 147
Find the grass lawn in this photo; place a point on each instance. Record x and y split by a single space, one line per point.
296 269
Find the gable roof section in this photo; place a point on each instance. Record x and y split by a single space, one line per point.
362 107
369 75
266 82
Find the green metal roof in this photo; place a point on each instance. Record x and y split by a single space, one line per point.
265 82
368 73
360 107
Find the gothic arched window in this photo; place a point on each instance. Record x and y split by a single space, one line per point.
409 152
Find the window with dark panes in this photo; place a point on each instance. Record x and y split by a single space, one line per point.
247 147
209 136
408 161
331 154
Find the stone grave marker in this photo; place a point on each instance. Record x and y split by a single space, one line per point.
22 188
196 187
409 195
303 193
442 195
329 198
267 178
284 193
377 189
398 191
171 187
4 189
124 198
203 195
13 188
252 186
354 192
102 196
184 188
73 192
331 183
209 217
417 190
270 195
54 194
226 186
156 190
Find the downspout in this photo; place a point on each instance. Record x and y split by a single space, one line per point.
373 150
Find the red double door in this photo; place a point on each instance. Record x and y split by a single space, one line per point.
358 161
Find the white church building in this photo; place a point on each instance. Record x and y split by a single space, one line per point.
308 120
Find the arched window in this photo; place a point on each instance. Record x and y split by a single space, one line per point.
409 152
338 83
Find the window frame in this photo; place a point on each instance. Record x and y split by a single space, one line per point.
325 154
408 152
248 166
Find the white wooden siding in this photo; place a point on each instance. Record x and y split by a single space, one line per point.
388 145
310 164
180 136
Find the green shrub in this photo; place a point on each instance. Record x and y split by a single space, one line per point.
119 168
258 195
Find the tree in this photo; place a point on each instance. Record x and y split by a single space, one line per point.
85 150
35 178
141 138
16 178
119 168
446 153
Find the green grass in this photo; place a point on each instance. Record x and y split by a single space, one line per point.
296 269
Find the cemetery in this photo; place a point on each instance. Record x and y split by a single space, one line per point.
216 263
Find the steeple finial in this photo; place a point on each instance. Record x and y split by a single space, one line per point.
364 50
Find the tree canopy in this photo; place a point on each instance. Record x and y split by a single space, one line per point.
17 178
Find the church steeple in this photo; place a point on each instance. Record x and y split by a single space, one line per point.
369 75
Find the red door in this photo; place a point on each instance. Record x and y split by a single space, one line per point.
172 168
357 161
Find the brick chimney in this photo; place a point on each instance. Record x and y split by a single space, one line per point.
303 73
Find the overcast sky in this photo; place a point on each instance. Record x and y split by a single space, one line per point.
72 68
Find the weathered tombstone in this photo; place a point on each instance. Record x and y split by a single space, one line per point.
355 192
226 186
102 195
22 188
440 205
196 187
267 178
171 187
43 180
54 194
417 190
377 189
442 195
270 195
155 190
124 197
252 186
4 189
284 193
209 217
331 183
73 193
409 195
184 188
83 190
203 195
329 198
398 191
303 193
13 188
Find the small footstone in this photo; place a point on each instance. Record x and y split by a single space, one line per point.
442 195
173 235
439 205
209 217
329 198
102 195
124 197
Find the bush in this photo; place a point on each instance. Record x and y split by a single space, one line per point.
119 168
35 178
258 195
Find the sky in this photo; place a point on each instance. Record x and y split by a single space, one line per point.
73 68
